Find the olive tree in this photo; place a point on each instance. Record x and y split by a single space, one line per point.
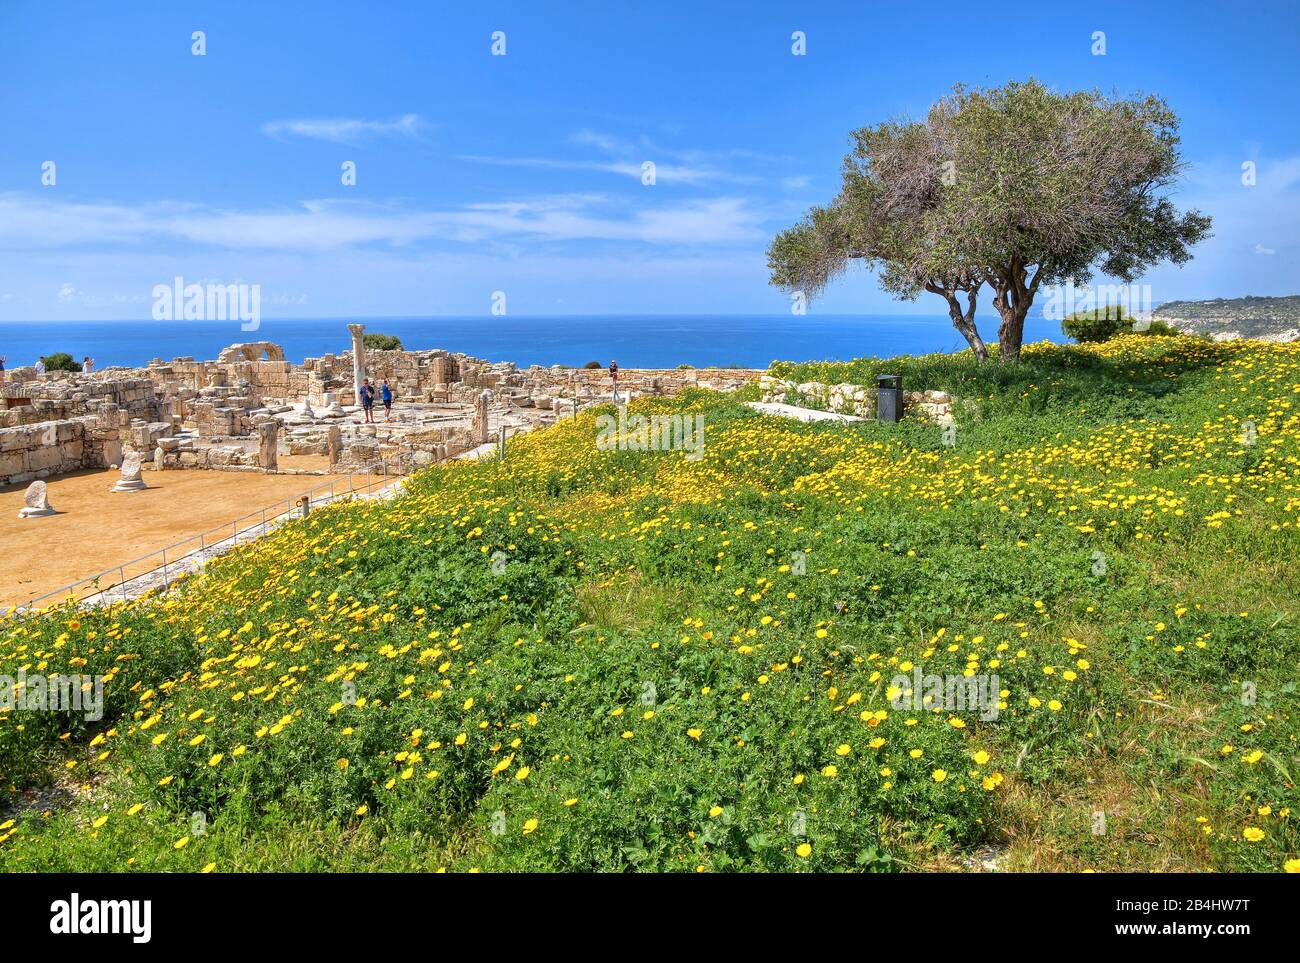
1016 187
890 216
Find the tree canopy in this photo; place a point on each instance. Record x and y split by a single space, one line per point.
61 361
382 342
1015 187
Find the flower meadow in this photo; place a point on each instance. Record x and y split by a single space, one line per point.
611 660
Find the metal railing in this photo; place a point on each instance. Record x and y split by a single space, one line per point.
163 566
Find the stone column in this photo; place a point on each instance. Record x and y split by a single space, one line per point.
36 503
481 434
358 359
130 480
269 458
334 444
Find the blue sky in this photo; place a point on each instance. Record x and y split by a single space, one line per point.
522 173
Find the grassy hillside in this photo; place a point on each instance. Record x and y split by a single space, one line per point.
609 660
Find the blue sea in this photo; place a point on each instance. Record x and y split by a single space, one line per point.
635 341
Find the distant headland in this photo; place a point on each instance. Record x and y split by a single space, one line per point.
1267 319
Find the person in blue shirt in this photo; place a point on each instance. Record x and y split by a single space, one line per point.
368 401
386 396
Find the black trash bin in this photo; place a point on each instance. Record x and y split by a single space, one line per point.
889 397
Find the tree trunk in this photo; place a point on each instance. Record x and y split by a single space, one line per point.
1011 333
1011 330
965 323
1013 294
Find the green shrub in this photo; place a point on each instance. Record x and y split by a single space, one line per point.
1099 324
61 361
592 365
1159 329
383 342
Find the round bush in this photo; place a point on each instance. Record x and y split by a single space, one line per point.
1099 324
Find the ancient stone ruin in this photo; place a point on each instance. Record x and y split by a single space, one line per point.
851 399
130 480
269 449
250 409
36 502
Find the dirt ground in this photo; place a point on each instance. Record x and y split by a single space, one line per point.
97 529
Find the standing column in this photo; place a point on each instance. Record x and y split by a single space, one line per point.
481 416
358 359
269 455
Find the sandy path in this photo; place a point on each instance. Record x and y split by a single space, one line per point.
96 529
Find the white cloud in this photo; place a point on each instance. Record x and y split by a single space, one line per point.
345 130
1232 262
406 281
663 172
35 221
625 157
606 142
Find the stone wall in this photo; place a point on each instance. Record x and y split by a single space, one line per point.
236 381
32 399
179 453
37 451
60 422
851 399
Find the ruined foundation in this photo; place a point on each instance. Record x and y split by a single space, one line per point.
249 407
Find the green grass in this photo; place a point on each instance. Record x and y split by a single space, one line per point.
649 683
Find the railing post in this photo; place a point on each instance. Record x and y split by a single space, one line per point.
121 582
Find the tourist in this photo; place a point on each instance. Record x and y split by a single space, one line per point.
88 365
386 396
613 376
40 366
368 401
2 369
